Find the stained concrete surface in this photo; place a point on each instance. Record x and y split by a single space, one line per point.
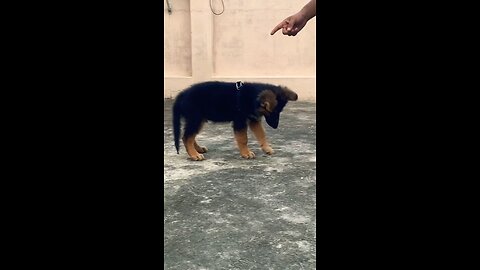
227 212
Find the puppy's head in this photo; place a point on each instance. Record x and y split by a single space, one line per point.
272 102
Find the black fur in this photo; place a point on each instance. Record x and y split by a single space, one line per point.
222 102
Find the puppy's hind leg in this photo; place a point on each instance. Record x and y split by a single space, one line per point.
192 128
200 149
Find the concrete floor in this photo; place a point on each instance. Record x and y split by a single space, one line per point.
230 213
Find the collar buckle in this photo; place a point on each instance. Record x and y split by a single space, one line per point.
239 85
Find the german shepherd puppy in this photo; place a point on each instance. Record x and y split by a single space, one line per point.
242 103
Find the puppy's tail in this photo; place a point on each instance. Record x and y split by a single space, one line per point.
176 123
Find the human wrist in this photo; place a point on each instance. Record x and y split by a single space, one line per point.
308 11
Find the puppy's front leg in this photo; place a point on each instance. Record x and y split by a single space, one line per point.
242 139
257 128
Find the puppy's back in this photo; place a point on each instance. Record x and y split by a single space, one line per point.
215 101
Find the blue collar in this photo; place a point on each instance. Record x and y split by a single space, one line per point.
238 85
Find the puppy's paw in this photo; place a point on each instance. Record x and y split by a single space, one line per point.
202 149
248 154
198 157
267 150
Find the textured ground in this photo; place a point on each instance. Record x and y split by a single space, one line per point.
230 213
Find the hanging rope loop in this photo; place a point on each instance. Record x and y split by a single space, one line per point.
211 8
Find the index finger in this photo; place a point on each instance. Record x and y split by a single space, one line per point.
278 27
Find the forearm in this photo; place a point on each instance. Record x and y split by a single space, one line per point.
309 10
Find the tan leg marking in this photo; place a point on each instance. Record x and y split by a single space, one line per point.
242 139
200 149
190 147
259 132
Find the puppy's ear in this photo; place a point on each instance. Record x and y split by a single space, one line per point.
267 100
288 94
266 105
